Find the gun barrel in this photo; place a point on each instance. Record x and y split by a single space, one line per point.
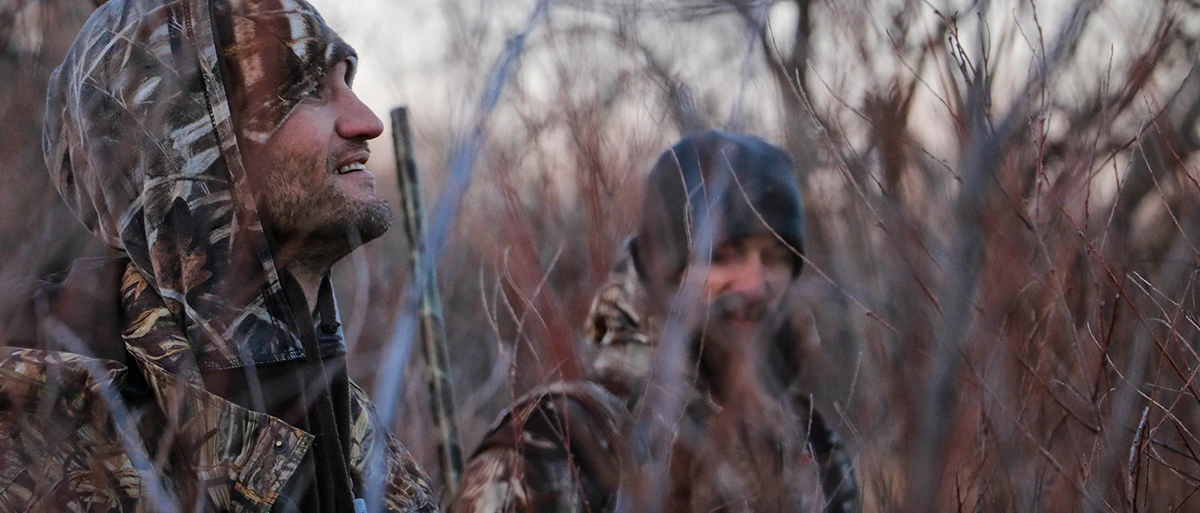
433 330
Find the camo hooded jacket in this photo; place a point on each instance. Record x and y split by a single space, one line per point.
140 140
557 449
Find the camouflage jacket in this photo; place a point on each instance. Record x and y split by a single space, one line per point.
558 448
80 433
144 118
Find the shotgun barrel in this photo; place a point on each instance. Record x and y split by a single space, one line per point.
433 330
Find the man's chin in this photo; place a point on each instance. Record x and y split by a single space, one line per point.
357 223
373 219
743 327
740 334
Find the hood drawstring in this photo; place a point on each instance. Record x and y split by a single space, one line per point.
331 449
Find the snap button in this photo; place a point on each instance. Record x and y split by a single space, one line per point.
280 446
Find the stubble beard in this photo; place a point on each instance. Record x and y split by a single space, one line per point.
320 217
730 352
726 310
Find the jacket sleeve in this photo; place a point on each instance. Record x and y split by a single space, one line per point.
492 483
557 449
379 459
58 451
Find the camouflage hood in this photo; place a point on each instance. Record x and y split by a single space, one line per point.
142 143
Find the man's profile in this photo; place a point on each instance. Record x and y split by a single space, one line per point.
218 148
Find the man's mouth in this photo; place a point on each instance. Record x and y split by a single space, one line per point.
742 324
737 308
351 167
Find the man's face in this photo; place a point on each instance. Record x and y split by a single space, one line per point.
745 284
311 173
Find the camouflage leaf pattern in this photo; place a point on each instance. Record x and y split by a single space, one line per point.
140 141
557 449
76 439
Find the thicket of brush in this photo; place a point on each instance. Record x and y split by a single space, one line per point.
1002 208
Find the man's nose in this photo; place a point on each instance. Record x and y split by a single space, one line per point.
357 121
751 278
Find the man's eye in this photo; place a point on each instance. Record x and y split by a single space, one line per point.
316 93
724 255
780 256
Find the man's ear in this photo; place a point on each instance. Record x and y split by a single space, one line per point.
635 254
648 264
658 272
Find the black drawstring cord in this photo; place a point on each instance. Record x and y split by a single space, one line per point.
330 448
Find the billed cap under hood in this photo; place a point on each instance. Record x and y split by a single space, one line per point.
140 141
748 183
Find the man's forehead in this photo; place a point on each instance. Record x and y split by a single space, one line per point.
760 241
275 52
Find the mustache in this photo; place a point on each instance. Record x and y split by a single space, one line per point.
352 147
736 306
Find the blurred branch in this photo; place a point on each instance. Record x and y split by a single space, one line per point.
981 158
460 170
8 17
791 77
680 98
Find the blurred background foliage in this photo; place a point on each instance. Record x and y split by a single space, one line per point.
1001 204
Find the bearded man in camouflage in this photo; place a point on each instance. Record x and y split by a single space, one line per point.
218 148
724 210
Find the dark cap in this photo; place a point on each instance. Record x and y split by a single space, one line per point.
750 183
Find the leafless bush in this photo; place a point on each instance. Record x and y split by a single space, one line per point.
1001 205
